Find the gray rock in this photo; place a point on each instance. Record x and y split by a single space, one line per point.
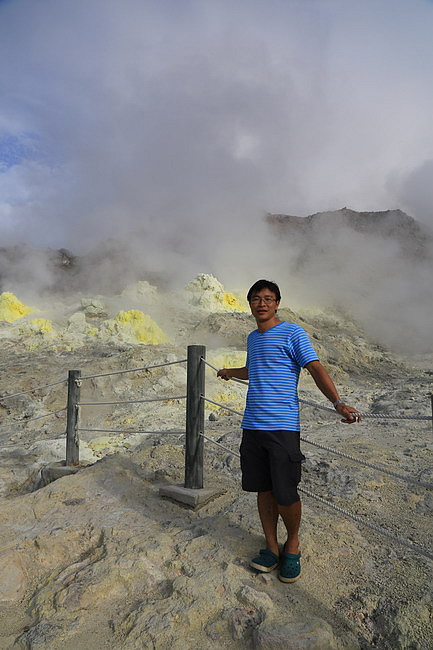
257 599
393 623
93 307
243 621
315 634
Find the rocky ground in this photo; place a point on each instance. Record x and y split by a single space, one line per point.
99 560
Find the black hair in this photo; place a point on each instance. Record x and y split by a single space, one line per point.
264 284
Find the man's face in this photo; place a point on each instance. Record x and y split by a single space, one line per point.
264 305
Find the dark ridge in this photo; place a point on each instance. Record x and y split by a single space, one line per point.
413 238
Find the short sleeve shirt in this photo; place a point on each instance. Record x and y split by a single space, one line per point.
274 361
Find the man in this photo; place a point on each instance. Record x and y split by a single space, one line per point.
270 449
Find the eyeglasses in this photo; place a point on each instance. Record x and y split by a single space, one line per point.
268 300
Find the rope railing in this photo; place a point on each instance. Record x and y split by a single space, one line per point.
23 422
177 433
386 416
379 468
360 520
378 529
123 372
194 432
195 429
133 401
31 390
238 381
74 405
226 408
214 442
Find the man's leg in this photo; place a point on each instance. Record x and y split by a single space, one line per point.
291 516
268 512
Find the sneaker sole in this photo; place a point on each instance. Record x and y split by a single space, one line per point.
263 569
283 579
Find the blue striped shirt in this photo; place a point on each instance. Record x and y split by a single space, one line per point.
274 361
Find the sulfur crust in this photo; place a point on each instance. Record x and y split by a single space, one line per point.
231 303
11 309
141 326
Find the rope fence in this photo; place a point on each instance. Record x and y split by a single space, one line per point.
38 417
360 520
123 372
177 433
195 400
379 468
388 416
32 390
73 408
383 416
133 401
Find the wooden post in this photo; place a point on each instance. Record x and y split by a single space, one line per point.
195 388
72 439
431 398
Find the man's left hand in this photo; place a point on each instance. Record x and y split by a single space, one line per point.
350 415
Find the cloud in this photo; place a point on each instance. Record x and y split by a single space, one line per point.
415 191
170 114
175 126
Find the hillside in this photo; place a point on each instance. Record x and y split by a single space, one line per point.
99 560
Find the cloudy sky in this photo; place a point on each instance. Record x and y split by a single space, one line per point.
173 126
192 118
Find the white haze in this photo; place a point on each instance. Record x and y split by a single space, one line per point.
172 127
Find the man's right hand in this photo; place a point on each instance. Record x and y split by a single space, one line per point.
224 373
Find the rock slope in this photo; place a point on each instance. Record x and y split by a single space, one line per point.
99 560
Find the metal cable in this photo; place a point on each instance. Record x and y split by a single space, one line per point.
364 522
357 518
379 468
221 405
238 381
39 417
31 390
220 445
133 401
387 416
409 479
131 431
122 372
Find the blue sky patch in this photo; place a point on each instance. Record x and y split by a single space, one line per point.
14 150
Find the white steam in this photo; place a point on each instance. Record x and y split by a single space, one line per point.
172 127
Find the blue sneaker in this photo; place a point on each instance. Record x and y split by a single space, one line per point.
265 561
290 567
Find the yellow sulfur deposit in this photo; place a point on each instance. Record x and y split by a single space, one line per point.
207 292
141 326
41 326
11 308
228 359
37 326
37 333
227 398
105 443
232 303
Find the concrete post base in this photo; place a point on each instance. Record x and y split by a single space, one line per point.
53 471
189 496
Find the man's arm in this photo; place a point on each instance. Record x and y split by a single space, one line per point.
325 384
228 373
